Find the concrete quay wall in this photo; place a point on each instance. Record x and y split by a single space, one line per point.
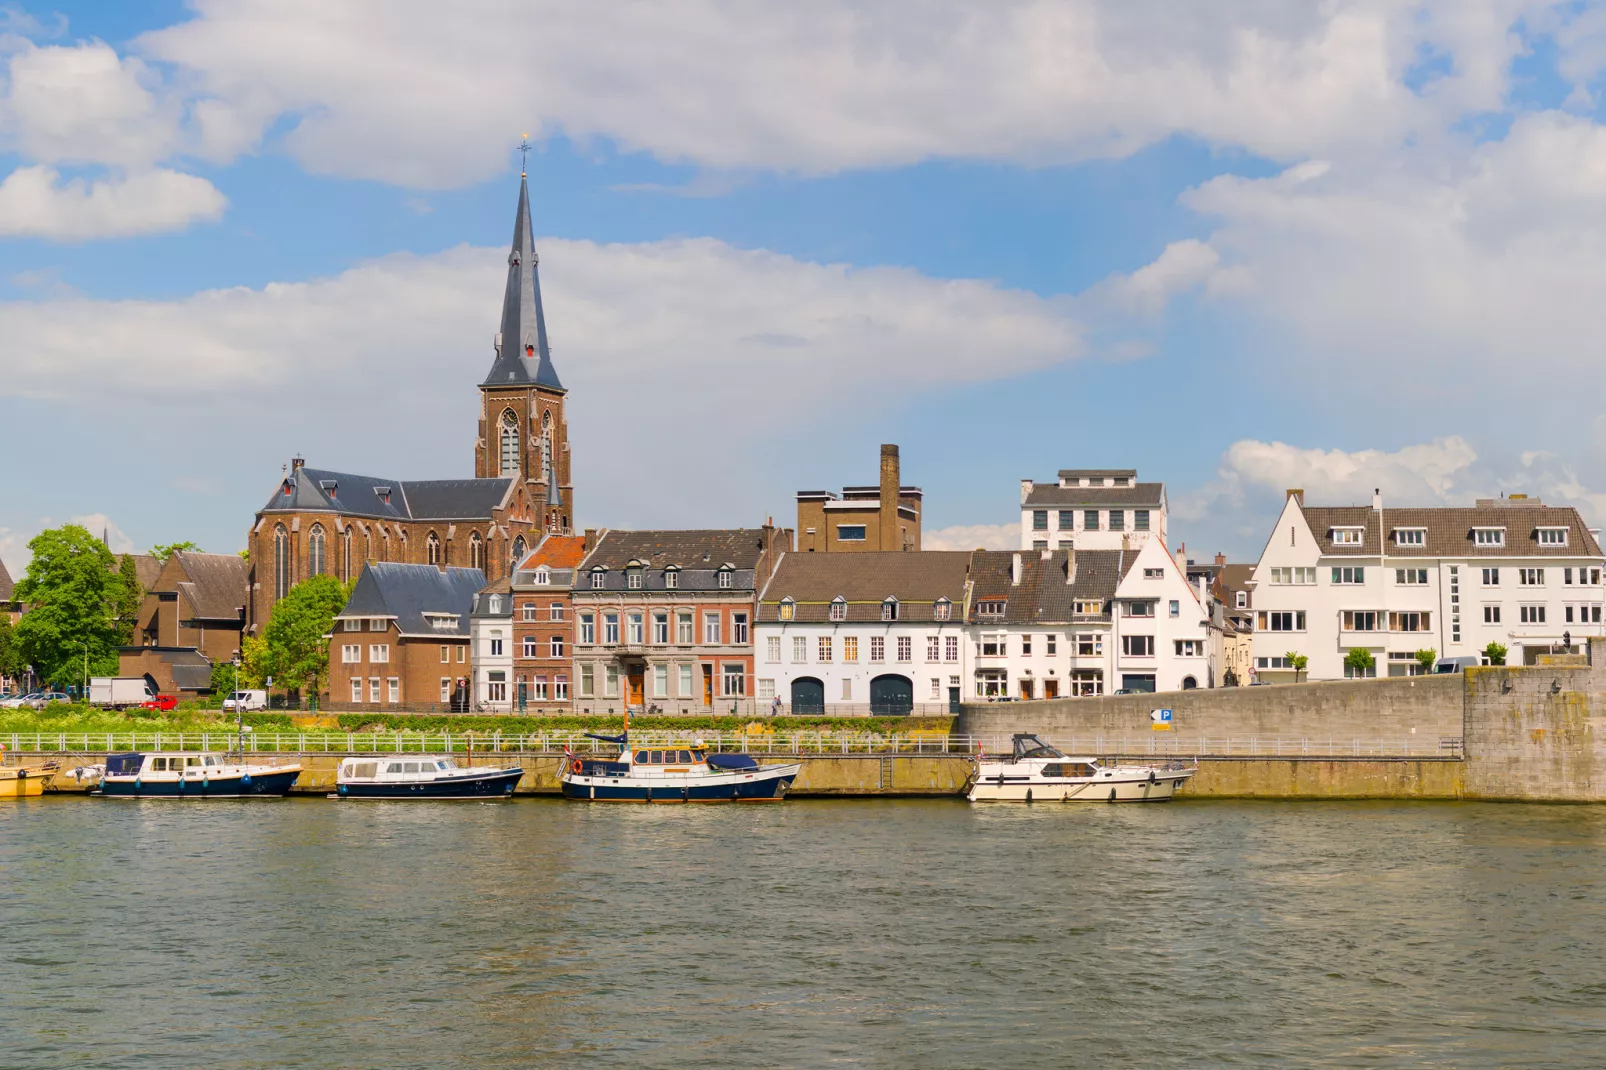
1538 734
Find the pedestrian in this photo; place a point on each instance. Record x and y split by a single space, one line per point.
775 706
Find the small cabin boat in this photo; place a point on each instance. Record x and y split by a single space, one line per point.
672 773
193 776
1037 771
421 777
26 781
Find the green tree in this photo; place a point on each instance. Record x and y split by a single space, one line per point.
1495 653
164 551
293 649
71 591
1360 662
1427 658
11 660
223 677
127 594
1297 662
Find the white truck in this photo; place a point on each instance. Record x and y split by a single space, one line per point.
119 692
246 700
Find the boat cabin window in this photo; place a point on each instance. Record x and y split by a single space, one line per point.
657 757
684 757
394 767
443 765
412 767
211 760
641 757
1078 769
192 760
364 769
1029 746
158 764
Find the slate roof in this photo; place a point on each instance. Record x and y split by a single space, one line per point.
214 585
706 549
523 320
1055 496
1042 595
1449 530
321 490
917 580
482 605
1231 580
407 592
7 586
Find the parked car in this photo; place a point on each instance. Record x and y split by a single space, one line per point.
1452 665
41 699
164 703
246 700
15 702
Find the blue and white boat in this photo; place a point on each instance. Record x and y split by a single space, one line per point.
673 773
179 775
421 777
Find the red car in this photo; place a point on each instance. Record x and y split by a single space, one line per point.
164 703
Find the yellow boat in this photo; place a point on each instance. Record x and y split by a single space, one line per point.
26 781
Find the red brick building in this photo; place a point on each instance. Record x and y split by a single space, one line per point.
543 625
191 619
402 639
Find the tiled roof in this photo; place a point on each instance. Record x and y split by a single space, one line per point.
740 547
917 580
146 567
215 584
1231 580
407 592
321 490
1043 595
555 551
1055 496
1449 531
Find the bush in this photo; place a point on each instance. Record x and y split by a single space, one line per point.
1495 653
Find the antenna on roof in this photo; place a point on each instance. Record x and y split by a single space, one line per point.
524 156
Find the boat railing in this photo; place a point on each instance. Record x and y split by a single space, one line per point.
821 743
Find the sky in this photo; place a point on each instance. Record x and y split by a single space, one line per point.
1240 247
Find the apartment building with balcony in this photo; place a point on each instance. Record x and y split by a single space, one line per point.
1092 509
664 619
1509 570
867 633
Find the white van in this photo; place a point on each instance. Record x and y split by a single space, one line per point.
1449 665
246 700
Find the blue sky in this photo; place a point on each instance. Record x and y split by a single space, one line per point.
1333 246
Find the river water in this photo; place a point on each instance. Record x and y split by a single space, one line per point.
876 933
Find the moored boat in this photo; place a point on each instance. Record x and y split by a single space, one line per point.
177 775
673 773
26 781
421 777
1037 771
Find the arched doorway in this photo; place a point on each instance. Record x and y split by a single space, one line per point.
808 695
1189 683
892 695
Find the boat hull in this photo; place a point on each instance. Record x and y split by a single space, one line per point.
498 785
763 785
24 782
1161 788
271 783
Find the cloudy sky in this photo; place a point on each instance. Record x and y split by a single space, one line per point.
1239 246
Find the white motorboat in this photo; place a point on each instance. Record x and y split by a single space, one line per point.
1037 771
422 777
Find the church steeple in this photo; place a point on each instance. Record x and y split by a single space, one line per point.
522 354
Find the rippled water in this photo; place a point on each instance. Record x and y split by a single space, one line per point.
871 933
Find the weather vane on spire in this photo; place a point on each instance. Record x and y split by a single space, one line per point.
524 156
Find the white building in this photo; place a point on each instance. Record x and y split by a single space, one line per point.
1162 638
1394 582
1040 623
490 628
879 632
1092 509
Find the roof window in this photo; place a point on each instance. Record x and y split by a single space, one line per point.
1552 536
1410 536
1488 536
839 608
1347 536
788 609
889 609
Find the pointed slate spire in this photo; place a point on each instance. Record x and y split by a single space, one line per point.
523 355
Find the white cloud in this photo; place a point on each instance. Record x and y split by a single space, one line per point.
972 537
14 540
35 202
391 89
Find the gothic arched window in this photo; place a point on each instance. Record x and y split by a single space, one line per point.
315 548
476 551
549 462
281 562
345 554
518 551
510 443
433 548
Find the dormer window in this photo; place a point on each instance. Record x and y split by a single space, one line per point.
633 579
725 578
1488 536
1348 536
382 493
598 578
889 609
671 578
543 577
788 609
991 607
942 610
1552 536
1410 536
839 608
493 604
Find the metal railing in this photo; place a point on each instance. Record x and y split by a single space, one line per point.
792 743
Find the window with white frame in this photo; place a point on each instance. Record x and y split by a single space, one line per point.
1410 536
991 608
1360 620
560 688
711 629
1297 576
542 577
671 579
1491 614
1026 645
1189 648
936 688
787 609
850 648
1137 646
906 646
993 646
610 681
725 579
373 690
889 609
1051 643
684 671
1531 614
356 690
1410 622
379 653
527 611
555 611
1410 577
739 629
540 689
822 652
610 629
379 624
1140 609
660 681
1241 600
598 579
800 649
496 648
766 688
683 631
1488 536
660 627
1347 574
1347 536
1282 620
878 648
1173 609
942 610
839 608
588 629
351 653
1530 577
529 647
1552 536
635 629
933 648
633 579
555 646
588 681
772 648
950 648
734 680
1491 577
1154 573
350 625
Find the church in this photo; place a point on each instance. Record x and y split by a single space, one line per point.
322 521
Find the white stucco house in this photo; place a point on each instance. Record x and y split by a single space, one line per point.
490 626
1092 509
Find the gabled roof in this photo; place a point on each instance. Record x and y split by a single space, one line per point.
555 551
523 356
1043 595
321 490
917 580
214 585
1056 496
1449 530
482 604
146 568
702 549
1232 579
408 592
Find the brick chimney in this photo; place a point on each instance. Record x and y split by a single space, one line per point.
1221 558
891 536
1298 494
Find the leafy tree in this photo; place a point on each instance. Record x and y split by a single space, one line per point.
164 551
1361 662
1495 653
127 594
223 677
1297 662
1427 658
71 591
11 660
293 649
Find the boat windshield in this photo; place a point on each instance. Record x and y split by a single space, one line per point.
445 763
1030 746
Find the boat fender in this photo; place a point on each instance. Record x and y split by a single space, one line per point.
245 780
1112 794
1151 776
577 766
685 794
136 784
1028 794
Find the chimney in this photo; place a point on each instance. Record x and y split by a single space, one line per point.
1025 490
1377 499
891 537
1298 494
1014 569
590 540
1182 556
1221 558
1070 565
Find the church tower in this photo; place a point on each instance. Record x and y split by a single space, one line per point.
524 431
